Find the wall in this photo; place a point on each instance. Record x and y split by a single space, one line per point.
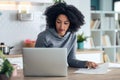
39 1
13 32
84 7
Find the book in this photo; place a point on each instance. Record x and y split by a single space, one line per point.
112 23
91 42
117 24
106 58
107 23
95 23
92 23
118 57
117 38
106 40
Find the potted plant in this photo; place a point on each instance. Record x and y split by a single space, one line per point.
80 40
58 1
6 68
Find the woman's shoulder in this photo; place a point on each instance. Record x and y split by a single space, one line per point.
44 33
73 34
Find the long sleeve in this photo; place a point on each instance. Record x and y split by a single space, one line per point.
72 61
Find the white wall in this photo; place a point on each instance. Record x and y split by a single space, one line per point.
39 1
13 32
84 7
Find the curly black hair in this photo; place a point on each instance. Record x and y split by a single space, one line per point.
75 17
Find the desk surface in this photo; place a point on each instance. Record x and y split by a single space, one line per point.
114 74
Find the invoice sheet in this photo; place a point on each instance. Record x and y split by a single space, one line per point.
101 69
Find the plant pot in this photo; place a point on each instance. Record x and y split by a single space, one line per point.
80 45
3 77
14 73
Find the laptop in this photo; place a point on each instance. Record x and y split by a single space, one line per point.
45 61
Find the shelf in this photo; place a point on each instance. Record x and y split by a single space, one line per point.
97 30
95 11
107 35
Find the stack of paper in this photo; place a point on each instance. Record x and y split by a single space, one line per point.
101 69
114 65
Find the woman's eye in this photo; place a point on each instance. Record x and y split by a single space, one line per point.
66 23
58 22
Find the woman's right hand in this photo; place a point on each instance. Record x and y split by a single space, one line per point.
91 64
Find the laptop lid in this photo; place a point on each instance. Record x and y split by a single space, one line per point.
45 61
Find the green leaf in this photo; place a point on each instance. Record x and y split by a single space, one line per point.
81 37
58 1
2 55
6 68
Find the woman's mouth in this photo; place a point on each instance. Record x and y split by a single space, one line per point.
61 30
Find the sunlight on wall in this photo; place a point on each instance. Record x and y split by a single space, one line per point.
117 6
24 7
5 5
12 5
117 9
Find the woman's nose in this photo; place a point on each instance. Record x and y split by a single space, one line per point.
62 26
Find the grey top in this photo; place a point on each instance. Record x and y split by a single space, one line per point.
50 38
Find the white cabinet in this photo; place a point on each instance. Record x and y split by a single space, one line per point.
90 55
105 32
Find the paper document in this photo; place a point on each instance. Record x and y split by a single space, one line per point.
101 69
114 65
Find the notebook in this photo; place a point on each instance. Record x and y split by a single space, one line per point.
45 61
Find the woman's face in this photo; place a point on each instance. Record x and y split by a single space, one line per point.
62 24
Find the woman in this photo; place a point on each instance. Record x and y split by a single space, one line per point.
62 22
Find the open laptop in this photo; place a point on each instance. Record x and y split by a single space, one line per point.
45 61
